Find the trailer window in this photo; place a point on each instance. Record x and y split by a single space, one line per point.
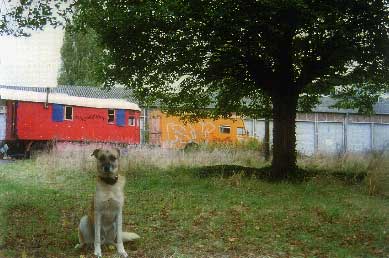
240 131
68 113
111 116
225 129
131 121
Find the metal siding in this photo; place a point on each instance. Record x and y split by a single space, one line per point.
381 137
305 137
330 137
260 130
2 126
248 124
142 130
358 137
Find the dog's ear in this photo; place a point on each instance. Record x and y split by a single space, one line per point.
95 153
118 152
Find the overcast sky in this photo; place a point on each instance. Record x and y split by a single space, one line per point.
31 61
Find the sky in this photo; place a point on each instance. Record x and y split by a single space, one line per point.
31 61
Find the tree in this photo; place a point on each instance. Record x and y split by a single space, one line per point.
238 53
235 54
81 59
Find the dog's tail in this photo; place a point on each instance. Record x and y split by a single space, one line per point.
129 236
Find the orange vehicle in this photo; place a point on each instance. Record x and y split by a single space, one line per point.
171 132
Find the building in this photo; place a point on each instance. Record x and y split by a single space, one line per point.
331 131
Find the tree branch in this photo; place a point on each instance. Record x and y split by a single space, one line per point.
260 73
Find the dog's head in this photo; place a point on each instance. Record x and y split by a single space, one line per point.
107 162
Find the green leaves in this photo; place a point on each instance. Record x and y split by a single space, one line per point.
227 47
18 18
360 96
82 59
233 50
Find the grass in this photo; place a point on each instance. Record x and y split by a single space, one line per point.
179 212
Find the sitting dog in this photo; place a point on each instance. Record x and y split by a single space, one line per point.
103 224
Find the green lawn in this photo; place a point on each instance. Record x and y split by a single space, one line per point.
179 214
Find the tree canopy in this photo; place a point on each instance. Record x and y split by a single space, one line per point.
236 54
238 48
239 52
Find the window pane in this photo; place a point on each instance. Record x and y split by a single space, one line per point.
111 115
240 131
225 129
68 113
131 120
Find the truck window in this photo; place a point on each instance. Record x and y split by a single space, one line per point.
225 129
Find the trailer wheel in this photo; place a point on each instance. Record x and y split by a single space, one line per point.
191 146
38 147
27 151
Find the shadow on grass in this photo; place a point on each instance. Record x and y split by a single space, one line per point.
264 173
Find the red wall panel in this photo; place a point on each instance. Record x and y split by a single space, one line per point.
34 122
10 130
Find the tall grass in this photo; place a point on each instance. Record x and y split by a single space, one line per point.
77 157
374 164
347 162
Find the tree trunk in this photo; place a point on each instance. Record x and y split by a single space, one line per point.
284 136
266 140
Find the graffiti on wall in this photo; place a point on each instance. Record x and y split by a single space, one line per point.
178 134
85 118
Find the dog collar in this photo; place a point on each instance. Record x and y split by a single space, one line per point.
109 180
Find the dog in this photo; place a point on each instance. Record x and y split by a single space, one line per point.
103 224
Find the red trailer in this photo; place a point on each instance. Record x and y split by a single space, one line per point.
36 116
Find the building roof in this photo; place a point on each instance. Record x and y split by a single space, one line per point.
325 106
72 95
326 103
81 91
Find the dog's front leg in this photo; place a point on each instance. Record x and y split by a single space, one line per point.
119 244
97 234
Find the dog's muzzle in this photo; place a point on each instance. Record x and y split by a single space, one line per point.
108 168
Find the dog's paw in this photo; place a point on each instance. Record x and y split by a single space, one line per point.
98 252
122 253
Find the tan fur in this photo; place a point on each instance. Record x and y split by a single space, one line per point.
107 204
